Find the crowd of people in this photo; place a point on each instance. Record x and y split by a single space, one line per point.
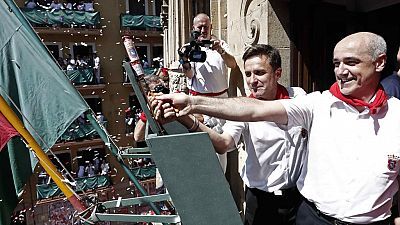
82 62
87 5
93 168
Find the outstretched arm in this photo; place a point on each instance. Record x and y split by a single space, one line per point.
236 109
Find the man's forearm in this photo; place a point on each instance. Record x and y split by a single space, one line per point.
239 109
229 60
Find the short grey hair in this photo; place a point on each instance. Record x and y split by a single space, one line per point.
376 46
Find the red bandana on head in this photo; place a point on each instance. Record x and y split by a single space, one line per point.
380 98
281 93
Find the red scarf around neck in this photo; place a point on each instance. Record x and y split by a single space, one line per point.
379 101
281 93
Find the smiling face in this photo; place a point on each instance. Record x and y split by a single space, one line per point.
202 24
357 73
261 78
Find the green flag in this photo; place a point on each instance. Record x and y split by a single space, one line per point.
30 78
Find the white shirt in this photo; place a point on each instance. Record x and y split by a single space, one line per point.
346 173
210 76
96 62
274 155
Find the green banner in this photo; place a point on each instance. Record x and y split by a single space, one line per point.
65 17
140 21
143 173
82 184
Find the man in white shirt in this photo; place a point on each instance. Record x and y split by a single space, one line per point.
274 155
209 78
350 172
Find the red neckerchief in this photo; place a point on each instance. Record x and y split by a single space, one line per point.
281 93
379 101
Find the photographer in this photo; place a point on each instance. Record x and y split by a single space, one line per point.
209 77
204 62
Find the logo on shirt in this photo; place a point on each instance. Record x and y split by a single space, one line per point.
392 161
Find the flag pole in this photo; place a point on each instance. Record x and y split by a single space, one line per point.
44 160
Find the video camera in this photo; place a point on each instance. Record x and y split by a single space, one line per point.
192 51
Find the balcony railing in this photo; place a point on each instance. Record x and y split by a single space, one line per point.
144 173
81 76
82 184
62 17
140 22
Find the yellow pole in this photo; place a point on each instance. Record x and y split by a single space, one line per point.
43 158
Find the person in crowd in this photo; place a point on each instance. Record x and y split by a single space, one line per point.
89 6
61 62
96 164
274 155
96 68
350 172
81 64
81 171
89 169
80 6
100 117
68 5
209 78
31 4
56 5
105 167
391 84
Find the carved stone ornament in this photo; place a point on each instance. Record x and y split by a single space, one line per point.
251 12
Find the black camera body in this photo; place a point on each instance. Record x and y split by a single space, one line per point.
161 89
192 51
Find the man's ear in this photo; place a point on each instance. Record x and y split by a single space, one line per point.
380 62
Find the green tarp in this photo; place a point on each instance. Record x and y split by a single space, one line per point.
31 78
52 190
140 21
81 76
143 173
65 17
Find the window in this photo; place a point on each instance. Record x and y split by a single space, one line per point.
137 7
54 50
94 103
158 4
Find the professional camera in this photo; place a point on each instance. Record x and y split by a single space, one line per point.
161 89
192 51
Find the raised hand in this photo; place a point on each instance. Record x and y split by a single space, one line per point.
179 102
